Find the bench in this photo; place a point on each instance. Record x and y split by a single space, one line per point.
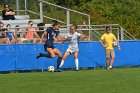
23 21
19 17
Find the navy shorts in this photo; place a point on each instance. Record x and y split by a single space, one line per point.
48 46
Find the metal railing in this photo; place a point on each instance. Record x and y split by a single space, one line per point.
96 32
66 9
119 31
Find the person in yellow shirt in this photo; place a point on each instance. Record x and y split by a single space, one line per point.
108 39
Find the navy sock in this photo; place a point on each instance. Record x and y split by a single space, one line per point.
59 62
45 55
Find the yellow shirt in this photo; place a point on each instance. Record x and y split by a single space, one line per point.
108 38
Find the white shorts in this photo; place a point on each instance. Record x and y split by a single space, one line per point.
72 49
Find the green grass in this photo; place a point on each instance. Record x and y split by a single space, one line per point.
86 81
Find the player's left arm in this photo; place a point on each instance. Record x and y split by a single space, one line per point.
82 36
58 37
118 44
65 39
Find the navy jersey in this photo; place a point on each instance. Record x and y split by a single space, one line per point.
51 34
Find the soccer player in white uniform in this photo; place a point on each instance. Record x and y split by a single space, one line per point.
72 37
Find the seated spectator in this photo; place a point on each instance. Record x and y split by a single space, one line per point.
3 38
12 35
40 27
31 35
20 33
8 14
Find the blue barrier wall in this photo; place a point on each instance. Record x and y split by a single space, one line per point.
92 54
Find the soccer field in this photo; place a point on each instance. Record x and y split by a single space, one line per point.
125 80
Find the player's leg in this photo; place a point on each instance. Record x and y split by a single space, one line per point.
112 58
67 53
57 52
48 48
76 60
50 54
107 57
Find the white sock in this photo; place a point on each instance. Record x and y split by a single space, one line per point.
77 63
62 62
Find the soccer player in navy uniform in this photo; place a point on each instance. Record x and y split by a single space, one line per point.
52 35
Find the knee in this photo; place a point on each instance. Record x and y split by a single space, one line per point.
63 58
107 58
60 54
53 56
113 58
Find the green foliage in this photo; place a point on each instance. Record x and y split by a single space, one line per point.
123 12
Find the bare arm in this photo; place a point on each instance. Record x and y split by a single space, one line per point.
7 13
36 35
119 48
60 39
82 36
65 39
12 13
104 45
42 37
101 42
15 34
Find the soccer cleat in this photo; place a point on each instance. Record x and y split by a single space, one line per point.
39 55
59 70
110 67
77 69
107 68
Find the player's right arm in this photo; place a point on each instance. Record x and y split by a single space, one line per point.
42 37
67 38
119 48
101 41
64 39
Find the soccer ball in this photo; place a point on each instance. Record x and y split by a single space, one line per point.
51 68
114 44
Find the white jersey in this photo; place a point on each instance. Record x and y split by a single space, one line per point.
73 46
